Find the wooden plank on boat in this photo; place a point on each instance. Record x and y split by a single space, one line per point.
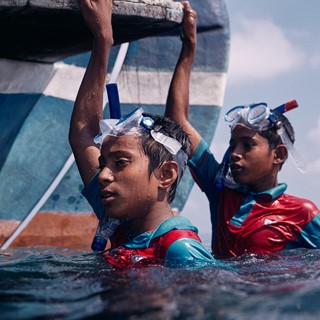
50 30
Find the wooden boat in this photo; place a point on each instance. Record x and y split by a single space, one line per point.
43 56
51 30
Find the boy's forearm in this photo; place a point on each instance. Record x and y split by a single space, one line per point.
177 106
89 102
87 112
88 106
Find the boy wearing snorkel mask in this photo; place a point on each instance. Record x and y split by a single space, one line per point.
250 211
133 176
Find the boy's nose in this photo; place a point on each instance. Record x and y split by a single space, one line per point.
235 155
106 175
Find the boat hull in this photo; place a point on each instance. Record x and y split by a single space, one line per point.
37 171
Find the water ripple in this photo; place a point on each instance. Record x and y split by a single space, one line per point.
52 283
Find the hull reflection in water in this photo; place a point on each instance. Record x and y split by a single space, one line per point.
50 283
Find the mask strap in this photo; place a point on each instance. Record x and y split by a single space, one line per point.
291 149
281 131
181 159
172 145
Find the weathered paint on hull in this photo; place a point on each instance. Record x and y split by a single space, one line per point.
56 229
36 102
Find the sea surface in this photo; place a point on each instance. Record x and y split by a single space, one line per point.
55 283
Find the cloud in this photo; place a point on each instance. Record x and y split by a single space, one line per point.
314 134
313 137
315 61
261 50
314 167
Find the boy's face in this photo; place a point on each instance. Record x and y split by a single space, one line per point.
127 191
251 161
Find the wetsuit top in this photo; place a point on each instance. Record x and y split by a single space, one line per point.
174 243
245 222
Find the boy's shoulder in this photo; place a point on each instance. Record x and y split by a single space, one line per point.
169 230
174 223
304 205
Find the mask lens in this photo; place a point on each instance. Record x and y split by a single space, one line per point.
233 115
129 121
257 113
258 116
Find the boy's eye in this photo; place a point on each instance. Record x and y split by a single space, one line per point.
248 145
113 163
232 146
244 145
121 162
102 163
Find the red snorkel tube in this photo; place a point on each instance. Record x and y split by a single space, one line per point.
292 104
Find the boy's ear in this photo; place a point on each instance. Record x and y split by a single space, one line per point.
168 174
280 154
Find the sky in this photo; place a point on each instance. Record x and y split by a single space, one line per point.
274 57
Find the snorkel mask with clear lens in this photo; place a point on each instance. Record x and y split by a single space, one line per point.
254 116
258 117
134 123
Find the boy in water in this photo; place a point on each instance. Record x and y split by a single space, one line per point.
250 213
134 174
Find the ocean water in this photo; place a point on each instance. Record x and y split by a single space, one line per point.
55 283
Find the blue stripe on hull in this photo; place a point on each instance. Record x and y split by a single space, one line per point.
13 112
39 151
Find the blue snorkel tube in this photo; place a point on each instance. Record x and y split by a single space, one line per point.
222 171
114 101
108 225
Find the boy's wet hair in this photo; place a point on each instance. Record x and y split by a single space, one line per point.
157 153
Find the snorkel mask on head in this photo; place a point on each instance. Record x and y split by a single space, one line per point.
134 123
258 117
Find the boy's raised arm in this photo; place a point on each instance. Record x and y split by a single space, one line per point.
177 106
87 110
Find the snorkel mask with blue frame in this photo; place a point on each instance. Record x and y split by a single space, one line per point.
134 123
257 117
